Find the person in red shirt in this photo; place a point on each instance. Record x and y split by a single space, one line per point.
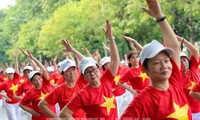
26 85
119 92
10 87
96 98
190 73
164 98
63 93
41 88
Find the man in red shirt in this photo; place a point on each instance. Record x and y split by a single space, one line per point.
63 93
96 98
164 98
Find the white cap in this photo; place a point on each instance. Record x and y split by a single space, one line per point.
31 74
10 70
105 60
66 64
182 54
28 68
59 64
50 69
85 63
152 49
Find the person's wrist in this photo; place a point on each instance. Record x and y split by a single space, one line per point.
161 19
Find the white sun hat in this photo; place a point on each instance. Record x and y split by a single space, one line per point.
66 64
85 63
10 70
152 49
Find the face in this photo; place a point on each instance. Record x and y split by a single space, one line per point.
37 81
71 74
106 65
134 60
184 63
92 74
10 76
159 67
26 72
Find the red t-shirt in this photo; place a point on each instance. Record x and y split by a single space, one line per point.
56 78
137 79
33 97
62 94
190 79
10 87
3 78
154 104
24 87
98 103
118 90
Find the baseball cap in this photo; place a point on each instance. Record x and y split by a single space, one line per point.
85 63
182 54
31 74
28 68
66 64
150 50
10 70
50 69
105 60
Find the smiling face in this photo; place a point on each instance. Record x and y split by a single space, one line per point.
159 68
185 63
37 81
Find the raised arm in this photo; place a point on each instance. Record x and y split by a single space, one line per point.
40 65
191 48
135 43
15 55
86 51
169 36
69 48
31 61
114 55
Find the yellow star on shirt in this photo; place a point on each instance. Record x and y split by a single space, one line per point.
109 103
116 79
42 96
52 82
5 78
180 113
14 88
143 76
192 85
21 80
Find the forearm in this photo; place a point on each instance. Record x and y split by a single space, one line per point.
114 56
77 54
45 109
18 97
25 108
195 95
191 48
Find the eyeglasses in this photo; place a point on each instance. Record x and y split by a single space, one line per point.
91 71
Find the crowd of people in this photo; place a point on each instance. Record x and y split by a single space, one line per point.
156 81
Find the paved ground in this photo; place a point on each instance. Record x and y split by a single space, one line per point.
3 116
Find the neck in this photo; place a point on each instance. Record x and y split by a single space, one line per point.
163 85
95 84
70 84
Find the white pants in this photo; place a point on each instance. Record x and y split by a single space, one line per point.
1 103
195 116
13 111
123 102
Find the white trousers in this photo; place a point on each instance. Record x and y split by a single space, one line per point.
12 111
195 116
123 102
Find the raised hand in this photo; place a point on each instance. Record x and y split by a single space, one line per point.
108 30
153 9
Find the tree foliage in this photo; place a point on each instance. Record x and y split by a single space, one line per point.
40 25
